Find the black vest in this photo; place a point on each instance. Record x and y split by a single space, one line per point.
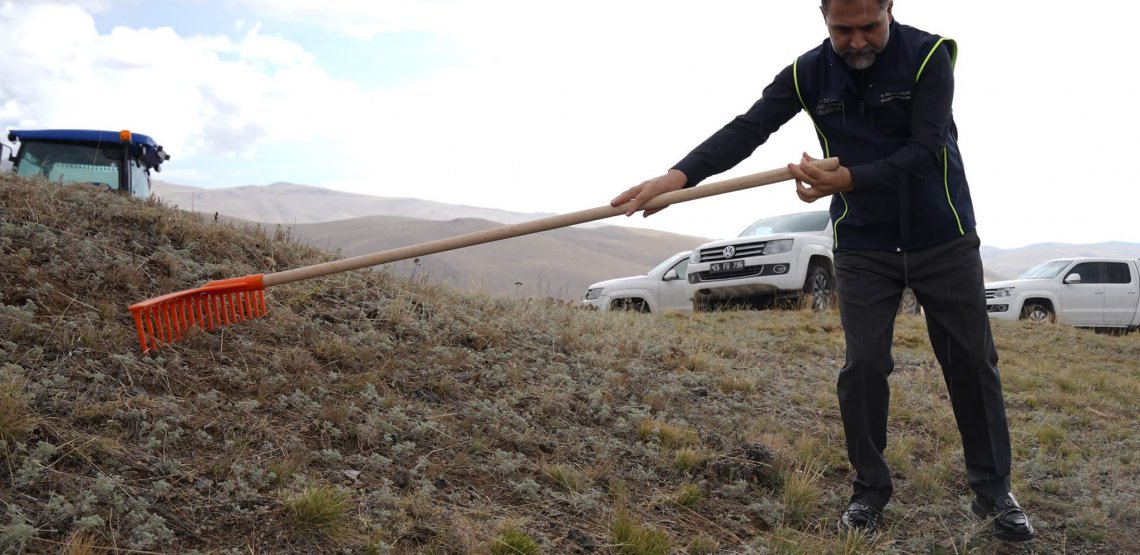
864 116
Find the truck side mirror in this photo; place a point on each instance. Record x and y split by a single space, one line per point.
670 275
11 153
1073 279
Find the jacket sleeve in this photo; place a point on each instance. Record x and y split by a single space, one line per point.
739 139
929 126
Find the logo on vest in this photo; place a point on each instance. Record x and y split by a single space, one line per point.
828 106
893 96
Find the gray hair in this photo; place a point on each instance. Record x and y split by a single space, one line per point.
825 4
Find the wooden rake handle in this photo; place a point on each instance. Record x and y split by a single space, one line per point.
533 226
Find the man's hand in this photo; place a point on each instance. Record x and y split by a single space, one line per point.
813 183
640 194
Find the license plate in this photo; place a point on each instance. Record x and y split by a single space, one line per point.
726 266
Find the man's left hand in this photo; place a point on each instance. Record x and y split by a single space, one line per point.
813 183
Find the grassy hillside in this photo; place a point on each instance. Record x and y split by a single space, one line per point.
371 414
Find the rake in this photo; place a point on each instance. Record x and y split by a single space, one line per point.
167 319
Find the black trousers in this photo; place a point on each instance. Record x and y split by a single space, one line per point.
947 280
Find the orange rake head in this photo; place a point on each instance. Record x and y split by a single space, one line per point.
166 319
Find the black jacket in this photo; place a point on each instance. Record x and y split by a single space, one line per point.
891 125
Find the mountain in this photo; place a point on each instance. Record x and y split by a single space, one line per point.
559 263
290 203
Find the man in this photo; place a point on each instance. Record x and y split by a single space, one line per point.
879 95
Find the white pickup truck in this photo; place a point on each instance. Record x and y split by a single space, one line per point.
1086 292
777 257
787 257
662 289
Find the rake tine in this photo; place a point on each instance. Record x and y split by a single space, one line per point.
242 306
219 302
195 308
203 302
150 327
251 304
176 321
211 305
166 322
226 305
186 308
139 327
235 307
159 324
180 327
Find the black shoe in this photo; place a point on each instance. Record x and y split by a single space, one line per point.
1010 522
859 517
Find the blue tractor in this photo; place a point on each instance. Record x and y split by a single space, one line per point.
120 160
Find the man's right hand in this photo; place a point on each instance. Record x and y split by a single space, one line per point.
640 194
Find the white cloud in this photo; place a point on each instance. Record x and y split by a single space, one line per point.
198 95
557 109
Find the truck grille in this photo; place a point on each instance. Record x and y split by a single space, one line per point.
747 271
716 254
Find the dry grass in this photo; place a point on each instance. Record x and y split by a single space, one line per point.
802 493
321 508
16 419
687 459
630 537
514 542
438 422
83 542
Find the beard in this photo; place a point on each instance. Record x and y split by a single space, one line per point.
863 58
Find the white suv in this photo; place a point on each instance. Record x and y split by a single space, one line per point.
786 256
661 289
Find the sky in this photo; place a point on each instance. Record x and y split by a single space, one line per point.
554 107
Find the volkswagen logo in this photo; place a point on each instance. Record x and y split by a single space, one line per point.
729 251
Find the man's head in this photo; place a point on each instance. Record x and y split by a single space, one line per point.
859 29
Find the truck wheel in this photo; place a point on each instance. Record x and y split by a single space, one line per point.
818 288
632 304
909 303
700 304
1037 312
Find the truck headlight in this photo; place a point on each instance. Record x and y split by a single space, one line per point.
1003 292
594 293
779 246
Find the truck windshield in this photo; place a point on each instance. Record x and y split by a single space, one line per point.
665 264
788 223
71 162
1046 270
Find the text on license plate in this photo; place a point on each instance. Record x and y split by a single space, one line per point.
726 266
